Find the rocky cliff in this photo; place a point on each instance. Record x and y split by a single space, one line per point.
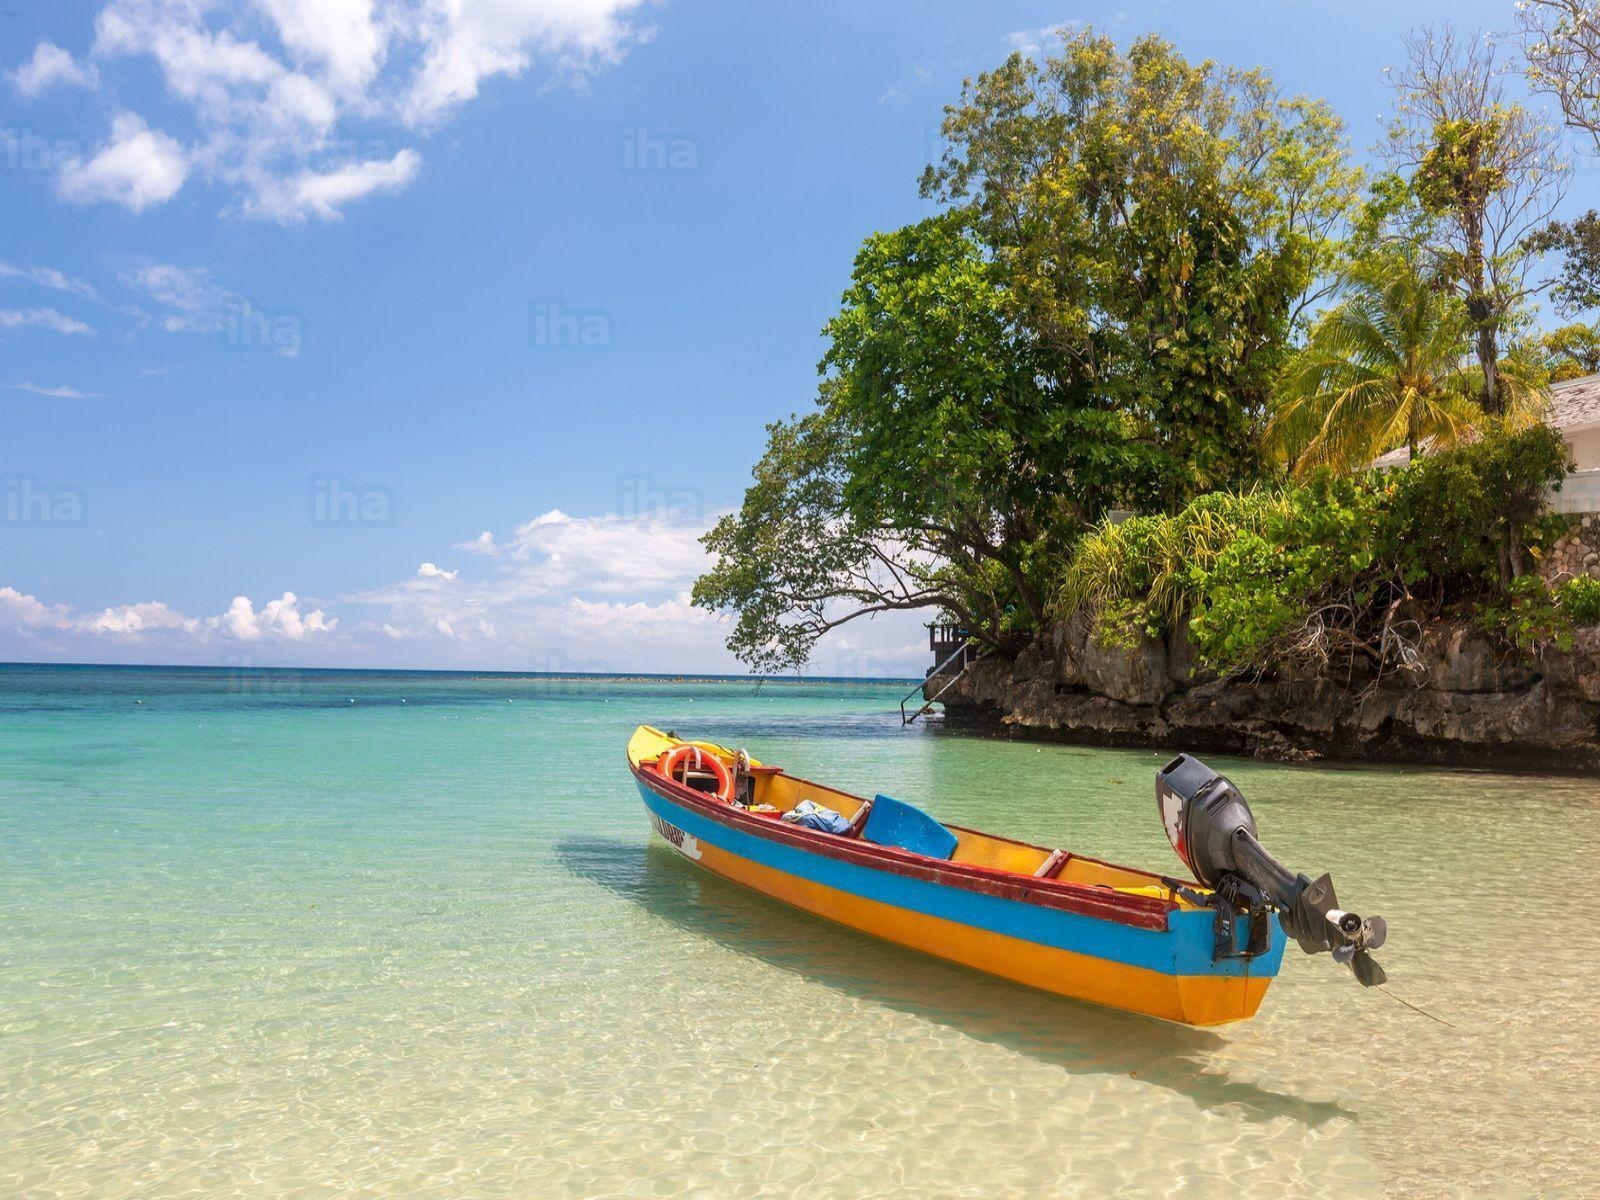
1467 700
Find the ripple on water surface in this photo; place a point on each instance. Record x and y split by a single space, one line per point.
259 940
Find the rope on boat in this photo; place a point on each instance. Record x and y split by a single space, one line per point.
1414 1008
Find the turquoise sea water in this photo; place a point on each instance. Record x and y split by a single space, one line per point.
338 934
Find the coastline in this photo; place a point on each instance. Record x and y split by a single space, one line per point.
1470 704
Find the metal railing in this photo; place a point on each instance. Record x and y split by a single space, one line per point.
971 656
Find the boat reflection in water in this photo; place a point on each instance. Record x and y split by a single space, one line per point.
1081 1039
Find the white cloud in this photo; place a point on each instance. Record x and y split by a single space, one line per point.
49 66
62 392
611 553
193 300
28 612
483 544
137 168
41 318
51 278
343 38
571 593
1043 40
464 43
279 618
272 88
129 620
324 193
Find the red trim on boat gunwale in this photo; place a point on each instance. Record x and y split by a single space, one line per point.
1141 912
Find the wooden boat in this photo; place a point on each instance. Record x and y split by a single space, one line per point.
1041 916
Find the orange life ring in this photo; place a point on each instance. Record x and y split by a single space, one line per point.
676 763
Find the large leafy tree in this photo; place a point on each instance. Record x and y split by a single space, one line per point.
1163 223
1093 322
927 476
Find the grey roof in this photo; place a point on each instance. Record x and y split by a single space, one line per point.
1574 406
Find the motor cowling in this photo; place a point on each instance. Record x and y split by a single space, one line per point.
1213 831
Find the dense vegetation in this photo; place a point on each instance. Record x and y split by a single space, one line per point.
1162 288
1338 573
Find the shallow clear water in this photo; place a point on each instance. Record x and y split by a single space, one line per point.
258 940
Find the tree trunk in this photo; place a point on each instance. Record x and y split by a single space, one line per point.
1480 307
1488 347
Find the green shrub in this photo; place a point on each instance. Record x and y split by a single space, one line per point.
1310 573
1528 618
1579 598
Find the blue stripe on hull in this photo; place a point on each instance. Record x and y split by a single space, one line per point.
1183 949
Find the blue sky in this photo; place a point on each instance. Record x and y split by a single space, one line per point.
301 298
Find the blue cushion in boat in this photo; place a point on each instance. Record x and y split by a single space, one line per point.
893 823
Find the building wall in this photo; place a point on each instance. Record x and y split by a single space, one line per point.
1585 447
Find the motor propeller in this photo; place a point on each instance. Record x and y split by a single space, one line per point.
1212 829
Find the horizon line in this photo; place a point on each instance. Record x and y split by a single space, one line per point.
675 676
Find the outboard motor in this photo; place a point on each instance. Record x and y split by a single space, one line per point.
1210 826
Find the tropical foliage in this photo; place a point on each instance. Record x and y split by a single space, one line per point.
1095 321
1382 368
1159 287
1338 571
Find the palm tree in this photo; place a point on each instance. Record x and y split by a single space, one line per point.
1386 367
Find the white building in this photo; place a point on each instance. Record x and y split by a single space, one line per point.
1574 413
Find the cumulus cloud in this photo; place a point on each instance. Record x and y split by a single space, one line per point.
567 593
41 318
137 168
464 44
133 619
271 88
50 277
483 544
51 66
278 620
29 612
281 618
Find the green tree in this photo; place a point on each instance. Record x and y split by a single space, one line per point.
1571 351
1577 282
1488 173
930 474
1094 322
1162 224
1382 368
